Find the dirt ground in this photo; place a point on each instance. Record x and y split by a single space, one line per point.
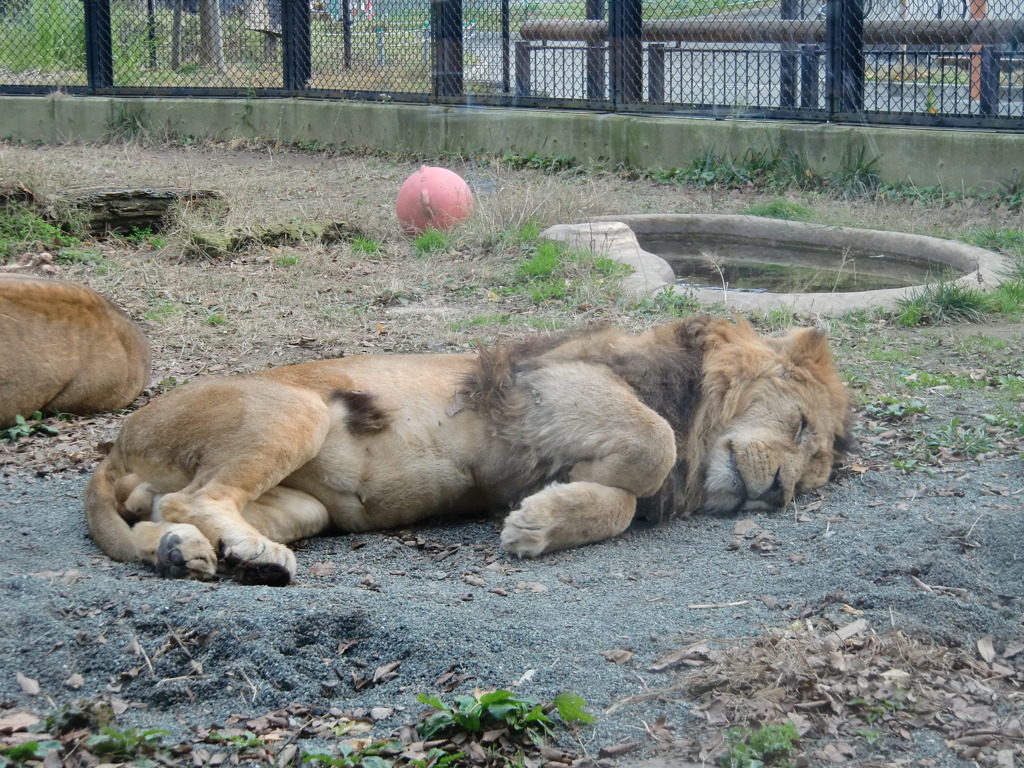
910 557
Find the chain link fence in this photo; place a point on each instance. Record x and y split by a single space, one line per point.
927 62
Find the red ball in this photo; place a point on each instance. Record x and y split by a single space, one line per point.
433 197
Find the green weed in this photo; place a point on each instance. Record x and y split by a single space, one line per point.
126 746
781 209
162 310
128 122
775 319
1009 420
769 168
873 710
240 741
893 408
905 465
871 736
286 260
917 380
500 708
480 320
24 427
365 245
959 440
546 163
526 234
87 256
667 301
946 301
997 239
546 324
768 745
857 176
432 240
22 229
544 260
30 752
1011 191
551 271
381 754
1008 298
144 236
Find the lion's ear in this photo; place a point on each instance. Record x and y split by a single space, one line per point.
806 348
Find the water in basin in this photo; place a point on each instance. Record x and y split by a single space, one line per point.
773 266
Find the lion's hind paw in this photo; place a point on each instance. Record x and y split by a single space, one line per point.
525 535
184 553
255 560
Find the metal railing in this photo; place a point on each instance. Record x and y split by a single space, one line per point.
924 62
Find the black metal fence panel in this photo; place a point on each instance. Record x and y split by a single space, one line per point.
42 43
927 62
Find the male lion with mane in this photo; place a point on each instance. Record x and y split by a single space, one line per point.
567 431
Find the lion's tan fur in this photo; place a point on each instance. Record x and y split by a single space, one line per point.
567 431
65 349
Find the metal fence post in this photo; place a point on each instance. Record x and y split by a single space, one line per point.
446 30
296 55
346 33
788 58
625 38
597 74
809 78
656 73
506 37
988 96
99 44
523 84
844 41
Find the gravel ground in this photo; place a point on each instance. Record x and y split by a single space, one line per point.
934 553
444 599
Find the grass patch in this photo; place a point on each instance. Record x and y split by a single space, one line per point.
550 271
480 321
162 310
768 745
668 301
947 301
545 163
23 229
781 209
432 240
365 245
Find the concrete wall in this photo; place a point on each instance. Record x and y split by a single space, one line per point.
924 156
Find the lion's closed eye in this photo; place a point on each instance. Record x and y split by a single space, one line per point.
803 430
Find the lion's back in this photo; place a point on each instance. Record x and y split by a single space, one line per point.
66 348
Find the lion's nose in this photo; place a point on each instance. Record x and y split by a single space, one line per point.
775 495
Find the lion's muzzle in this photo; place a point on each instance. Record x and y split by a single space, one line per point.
744 477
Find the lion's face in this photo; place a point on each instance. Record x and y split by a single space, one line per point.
789 419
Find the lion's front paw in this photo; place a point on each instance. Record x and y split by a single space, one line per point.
527 532
184 553
257 560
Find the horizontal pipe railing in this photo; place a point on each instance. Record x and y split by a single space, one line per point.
876 31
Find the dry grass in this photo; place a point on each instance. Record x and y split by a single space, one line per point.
275 304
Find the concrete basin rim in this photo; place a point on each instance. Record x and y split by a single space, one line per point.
982 268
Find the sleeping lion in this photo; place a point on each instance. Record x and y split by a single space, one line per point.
65 349
567 431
